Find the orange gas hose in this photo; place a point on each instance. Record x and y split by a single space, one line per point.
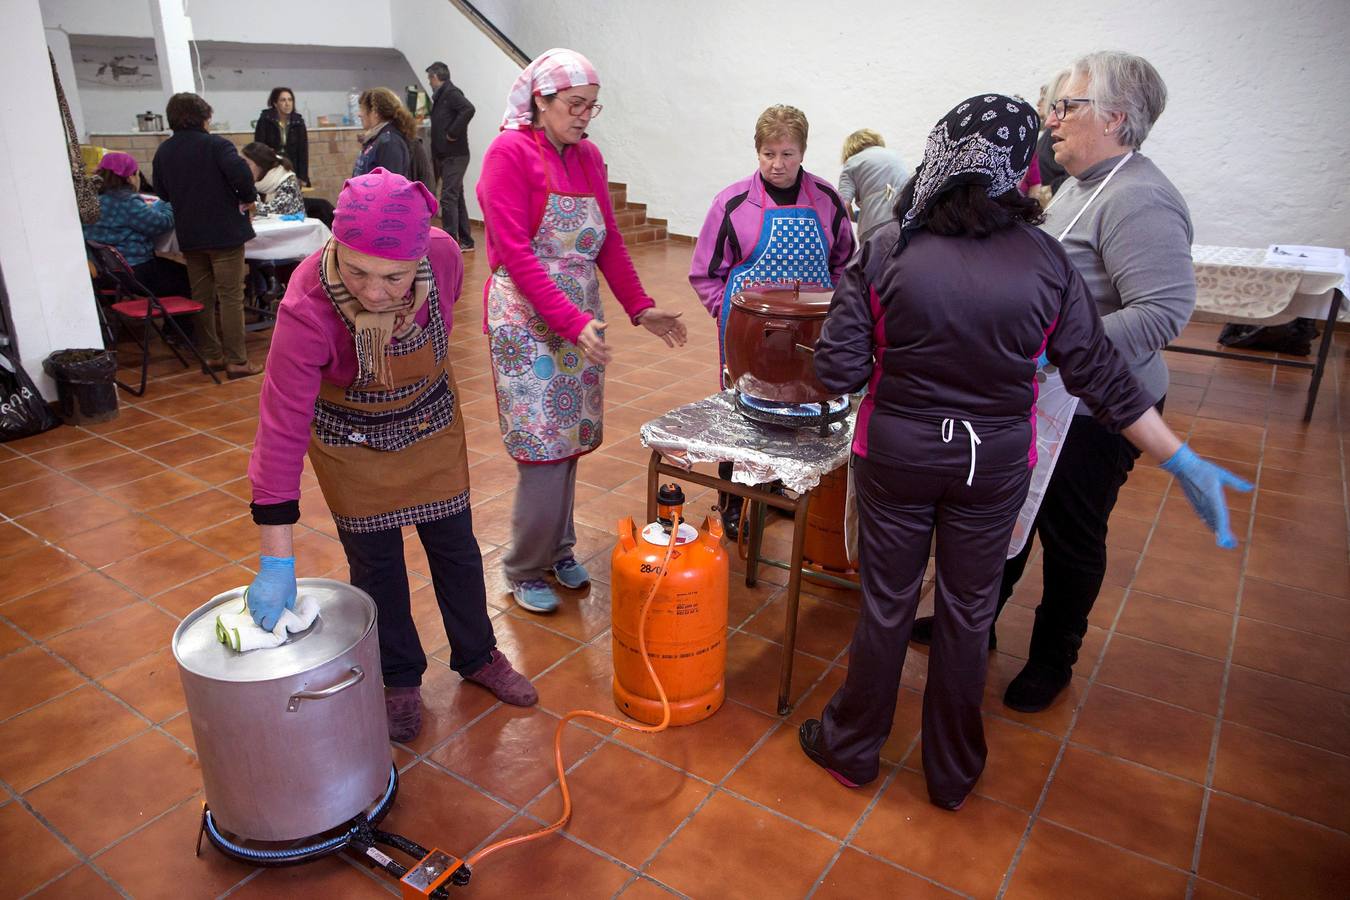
473 860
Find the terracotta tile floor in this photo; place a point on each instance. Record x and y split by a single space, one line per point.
1203 749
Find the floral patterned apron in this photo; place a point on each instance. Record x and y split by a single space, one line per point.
550 401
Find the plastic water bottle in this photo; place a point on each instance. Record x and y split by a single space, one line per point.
354 106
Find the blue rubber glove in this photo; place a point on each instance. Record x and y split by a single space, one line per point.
273 591
1203 483
1042 361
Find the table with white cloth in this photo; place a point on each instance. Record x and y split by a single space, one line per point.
712 430
273 238
1242 284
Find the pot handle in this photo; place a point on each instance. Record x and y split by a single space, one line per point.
358 675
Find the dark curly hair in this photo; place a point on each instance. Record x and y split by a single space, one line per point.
186 111
273 97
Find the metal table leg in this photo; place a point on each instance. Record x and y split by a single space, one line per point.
793 599
1323 349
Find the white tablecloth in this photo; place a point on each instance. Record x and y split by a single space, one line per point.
1239 284
275 239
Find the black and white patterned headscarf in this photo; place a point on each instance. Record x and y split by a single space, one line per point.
986 140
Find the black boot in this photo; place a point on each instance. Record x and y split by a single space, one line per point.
731 515
922 633
730 505
812 743
1049 668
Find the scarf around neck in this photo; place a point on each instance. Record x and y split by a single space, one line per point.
272 180
374 331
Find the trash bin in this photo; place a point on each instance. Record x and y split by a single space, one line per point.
86 386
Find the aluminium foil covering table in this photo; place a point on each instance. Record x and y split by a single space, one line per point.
712 430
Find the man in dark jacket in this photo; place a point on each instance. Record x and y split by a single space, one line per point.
450 115
211 189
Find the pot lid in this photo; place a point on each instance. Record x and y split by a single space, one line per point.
807 303
346 615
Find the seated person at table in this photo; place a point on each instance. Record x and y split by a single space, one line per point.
130 224
275 180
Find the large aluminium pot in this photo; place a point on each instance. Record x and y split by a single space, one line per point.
293 740
770 336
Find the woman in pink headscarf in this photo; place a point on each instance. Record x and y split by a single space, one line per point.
550 226
359 373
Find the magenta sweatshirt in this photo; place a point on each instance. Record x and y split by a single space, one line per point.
311 345
512 190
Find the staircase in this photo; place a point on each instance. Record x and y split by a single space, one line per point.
634 224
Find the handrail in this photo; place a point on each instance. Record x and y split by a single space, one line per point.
489 28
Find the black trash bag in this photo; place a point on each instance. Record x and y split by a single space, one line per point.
1293 338
86 384
23 412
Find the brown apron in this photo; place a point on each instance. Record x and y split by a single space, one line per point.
393 455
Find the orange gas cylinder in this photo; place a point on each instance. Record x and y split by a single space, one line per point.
686 627
824 545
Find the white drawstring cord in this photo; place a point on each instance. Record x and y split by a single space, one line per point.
948 429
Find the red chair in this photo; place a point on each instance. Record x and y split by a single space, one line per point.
133 301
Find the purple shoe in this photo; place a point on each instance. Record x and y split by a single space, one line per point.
403 709
508 685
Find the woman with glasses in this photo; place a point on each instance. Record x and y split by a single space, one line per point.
946 318
778 225
1127 231
550 231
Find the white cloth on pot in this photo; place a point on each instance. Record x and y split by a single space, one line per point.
239 632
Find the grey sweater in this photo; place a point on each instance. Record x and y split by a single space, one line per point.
873 178
1133 248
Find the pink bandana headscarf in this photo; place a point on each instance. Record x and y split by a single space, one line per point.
384 214
552 71
122 164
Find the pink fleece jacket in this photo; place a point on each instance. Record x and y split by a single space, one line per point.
311 345
731 231
512 190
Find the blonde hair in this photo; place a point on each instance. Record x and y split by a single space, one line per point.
385 104
1050 92
859 141
778 122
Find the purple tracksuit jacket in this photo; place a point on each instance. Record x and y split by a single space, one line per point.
951 328
732 228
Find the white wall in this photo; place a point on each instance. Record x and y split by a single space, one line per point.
1253 135
337 23
118 78
41 246
429 30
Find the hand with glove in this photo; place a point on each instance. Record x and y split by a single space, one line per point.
1203 483
273 591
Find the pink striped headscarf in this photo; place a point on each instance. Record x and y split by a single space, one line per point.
552 71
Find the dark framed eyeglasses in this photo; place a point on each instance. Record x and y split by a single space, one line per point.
578 107
1062 106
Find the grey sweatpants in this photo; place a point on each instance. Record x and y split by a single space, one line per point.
541 523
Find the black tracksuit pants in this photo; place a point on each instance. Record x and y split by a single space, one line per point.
378 568
899 510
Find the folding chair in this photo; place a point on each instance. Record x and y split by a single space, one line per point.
133 301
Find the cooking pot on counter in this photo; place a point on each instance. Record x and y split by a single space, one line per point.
293 740
770 335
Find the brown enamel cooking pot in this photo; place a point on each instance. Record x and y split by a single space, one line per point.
770 336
